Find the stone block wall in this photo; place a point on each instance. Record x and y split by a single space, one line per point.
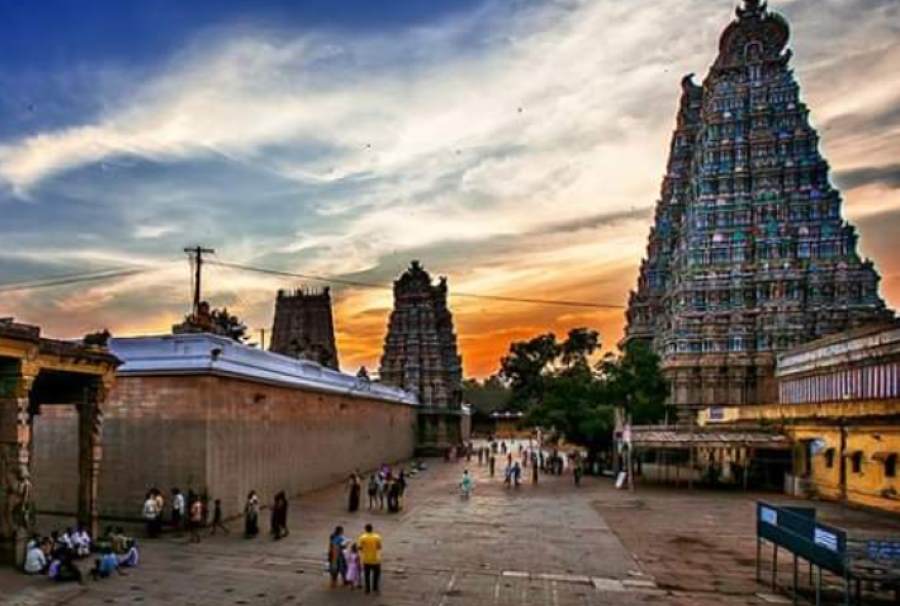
54 468
222 435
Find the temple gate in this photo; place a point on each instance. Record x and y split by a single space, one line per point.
37 372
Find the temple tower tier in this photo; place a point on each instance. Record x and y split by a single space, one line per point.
749 254
420 355
304 326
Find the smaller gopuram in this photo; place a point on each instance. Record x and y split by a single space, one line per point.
304 327
420 356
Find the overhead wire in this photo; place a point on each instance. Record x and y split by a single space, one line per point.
74 278
107 274
362 284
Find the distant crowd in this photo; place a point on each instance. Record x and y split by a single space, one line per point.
553 462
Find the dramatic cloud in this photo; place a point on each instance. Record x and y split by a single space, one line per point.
516 147
888 176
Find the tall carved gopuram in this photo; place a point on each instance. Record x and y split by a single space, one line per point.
304 326
420 355
749 254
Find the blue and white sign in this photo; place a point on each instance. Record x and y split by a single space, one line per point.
768 515
826 539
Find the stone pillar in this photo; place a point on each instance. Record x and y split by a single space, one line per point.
90 425
16 495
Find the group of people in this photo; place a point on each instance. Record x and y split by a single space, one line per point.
540 461
384 488
190 512
57 554
355 563
278 527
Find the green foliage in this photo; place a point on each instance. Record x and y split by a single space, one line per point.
229 325
557 386
634 381
488 396
572 405
526 369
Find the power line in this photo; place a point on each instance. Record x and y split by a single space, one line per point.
360 284
67 279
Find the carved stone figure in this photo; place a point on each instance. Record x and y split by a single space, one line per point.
18 511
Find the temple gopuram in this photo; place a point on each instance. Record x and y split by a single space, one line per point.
420 356
304 327
749 254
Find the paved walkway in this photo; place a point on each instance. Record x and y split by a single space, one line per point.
550 544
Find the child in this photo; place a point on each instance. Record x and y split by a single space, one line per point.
354 567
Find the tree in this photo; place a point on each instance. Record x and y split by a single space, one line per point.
558 387
572 406
525 368
228 325
488 396
635 382
578 347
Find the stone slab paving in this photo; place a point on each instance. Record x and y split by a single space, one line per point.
703 542
544 545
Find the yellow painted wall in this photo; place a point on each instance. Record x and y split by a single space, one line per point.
866 487
827 480
872 427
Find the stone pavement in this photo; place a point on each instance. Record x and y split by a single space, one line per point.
550 544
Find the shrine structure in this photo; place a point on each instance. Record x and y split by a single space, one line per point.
420 356
749 254
304 326
36 375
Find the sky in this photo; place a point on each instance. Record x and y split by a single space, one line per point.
515 146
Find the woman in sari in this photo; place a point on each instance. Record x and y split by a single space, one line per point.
337 565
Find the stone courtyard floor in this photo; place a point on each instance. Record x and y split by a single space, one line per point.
545 545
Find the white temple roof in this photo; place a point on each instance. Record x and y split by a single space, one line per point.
192 354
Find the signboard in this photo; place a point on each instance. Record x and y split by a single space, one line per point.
768 515
826 539
796 529
716 413
883 550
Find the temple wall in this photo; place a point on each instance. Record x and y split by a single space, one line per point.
55 477
225 436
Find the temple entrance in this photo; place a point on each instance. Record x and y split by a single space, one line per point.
37 375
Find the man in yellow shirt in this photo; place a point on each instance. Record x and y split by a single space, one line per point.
369 544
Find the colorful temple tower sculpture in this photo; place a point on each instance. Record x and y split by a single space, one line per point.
420 355
304 327
749 254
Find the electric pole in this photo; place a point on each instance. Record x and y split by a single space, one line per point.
196 255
